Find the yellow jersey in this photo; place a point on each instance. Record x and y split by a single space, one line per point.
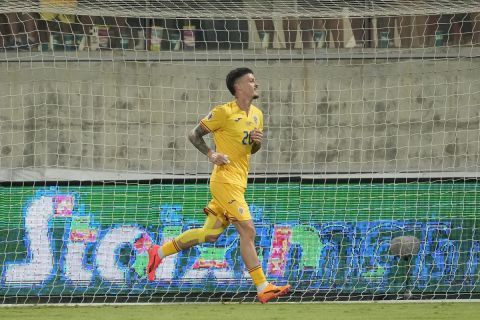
231 128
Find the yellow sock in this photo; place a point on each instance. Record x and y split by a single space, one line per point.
168 249
257 275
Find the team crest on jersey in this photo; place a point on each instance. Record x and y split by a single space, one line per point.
240 210
255 119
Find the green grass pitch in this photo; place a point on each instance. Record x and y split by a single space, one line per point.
250 311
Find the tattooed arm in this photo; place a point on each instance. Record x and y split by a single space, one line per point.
196 138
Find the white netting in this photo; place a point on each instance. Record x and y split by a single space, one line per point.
248 8
372 133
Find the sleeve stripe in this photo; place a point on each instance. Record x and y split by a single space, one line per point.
204 126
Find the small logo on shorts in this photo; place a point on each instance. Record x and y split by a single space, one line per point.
240 210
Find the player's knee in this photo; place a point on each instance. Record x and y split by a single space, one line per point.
212 235
211 238
249 232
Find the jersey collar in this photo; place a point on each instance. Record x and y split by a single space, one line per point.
238 110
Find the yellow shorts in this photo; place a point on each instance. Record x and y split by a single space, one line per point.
228 203
51 16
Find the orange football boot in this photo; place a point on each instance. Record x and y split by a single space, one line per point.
153 261
272 291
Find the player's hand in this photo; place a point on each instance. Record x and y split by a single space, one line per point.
257 136
218 158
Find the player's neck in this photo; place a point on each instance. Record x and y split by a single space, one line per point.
244 104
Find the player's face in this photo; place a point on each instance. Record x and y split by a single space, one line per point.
246 86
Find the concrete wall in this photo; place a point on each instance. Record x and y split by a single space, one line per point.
362 115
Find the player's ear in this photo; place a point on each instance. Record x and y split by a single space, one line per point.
235 85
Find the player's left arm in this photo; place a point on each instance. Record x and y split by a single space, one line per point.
257 137
257 134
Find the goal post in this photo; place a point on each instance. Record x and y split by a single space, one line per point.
371 143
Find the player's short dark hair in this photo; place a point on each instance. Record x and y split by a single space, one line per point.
233 75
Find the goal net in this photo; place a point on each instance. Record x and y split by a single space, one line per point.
365 186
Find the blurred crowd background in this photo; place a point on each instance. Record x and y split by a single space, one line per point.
48 30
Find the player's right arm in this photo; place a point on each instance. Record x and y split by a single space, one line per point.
196 138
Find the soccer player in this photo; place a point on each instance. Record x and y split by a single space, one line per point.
237 131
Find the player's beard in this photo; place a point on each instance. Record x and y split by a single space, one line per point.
255 96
